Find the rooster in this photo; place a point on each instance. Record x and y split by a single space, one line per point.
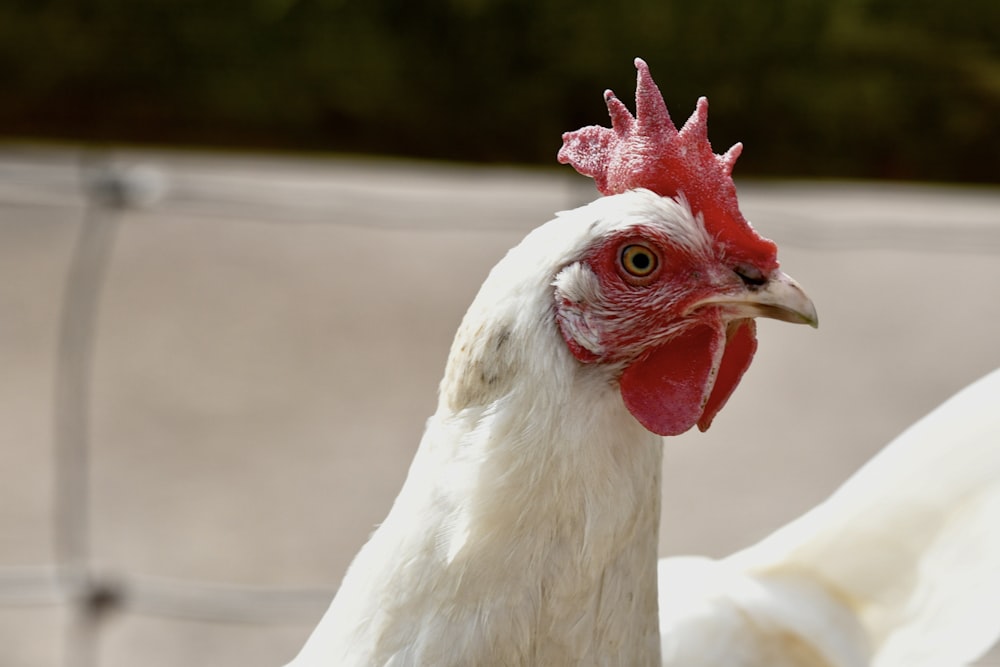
526 530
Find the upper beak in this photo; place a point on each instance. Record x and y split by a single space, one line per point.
779 297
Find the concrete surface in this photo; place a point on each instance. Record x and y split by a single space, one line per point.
269 341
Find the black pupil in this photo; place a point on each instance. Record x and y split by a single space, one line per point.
641 260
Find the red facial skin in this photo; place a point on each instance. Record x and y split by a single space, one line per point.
680 362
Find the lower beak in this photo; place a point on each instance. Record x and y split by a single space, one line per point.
779 298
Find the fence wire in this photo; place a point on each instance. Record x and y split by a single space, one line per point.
109 190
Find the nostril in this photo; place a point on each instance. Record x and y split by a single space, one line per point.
750 275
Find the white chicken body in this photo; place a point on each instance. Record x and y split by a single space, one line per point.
900 567
526 531
715 614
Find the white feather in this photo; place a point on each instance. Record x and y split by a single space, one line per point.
900 567
526 531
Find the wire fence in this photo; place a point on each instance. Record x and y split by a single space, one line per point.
109 190
111 187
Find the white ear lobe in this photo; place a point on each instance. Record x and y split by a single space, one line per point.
577 294
577 327
578 284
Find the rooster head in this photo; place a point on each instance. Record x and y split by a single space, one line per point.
667 291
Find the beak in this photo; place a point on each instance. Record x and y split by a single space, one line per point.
778 297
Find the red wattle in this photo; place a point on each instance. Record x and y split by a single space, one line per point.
741 343
687 380
667 390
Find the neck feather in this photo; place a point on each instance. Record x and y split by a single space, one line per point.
526 531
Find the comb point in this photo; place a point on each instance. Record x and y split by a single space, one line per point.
647 151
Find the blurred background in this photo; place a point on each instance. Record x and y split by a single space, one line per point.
237 237
852 88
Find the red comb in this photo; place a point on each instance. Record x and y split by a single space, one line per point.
647 151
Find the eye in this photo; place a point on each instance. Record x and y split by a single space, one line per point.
750 275
638 260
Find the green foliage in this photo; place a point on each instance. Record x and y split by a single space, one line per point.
863 88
